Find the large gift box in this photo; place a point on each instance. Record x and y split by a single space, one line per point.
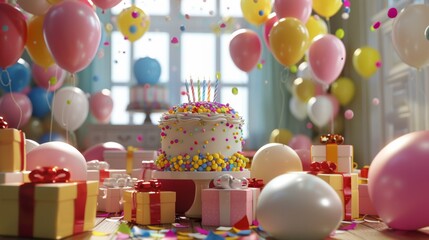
341 155
148 205
129 160
225 207
12 150
47 210
365 204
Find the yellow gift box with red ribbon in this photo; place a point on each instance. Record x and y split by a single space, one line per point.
334 151
49 209
146 204
12 150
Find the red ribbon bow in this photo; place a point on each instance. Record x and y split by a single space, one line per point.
49 175
3 123
256 183
332 138
323 167
148 186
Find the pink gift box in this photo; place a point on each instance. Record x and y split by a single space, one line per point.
110 199
225 207
255 196
365 203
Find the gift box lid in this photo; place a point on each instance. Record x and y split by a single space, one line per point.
143 197
140 154
336 180
343 150
10 134
48 191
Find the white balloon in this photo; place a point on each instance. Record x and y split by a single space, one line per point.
70 107
30 145
320 110
298 108
299 206
304 71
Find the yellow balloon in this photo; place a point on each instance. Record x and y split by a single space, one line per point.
344 90
365 61
315 26
326 8
36 45
256 12
282 136
288 40
304 89
133 23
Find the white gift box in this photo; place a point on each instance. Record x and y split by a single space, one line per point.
343 154
110 199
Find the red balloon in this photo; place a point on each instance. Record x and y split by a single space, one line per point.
72 33
101 105
13 35
245 49
105 4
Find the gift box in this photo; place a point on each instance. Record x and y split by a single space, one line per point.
365 204
14 177
148 166
100 175
341 155
349 195
12 149
47 210
129 160
110 199
225 207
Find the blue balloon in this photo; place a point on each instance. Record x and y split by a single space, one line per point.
53 137
147 70
20 77
41 99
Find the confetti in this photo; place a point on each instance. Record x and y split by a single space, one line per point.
348 114
376 25
174 40
132 29
135 14
53 80
260 66
182 28
261 12
339 33
106 43
187 16
108 27
293 69
309 125
378 64
124 228
345 16
392 12
375 101
218 75
68 102
139 138
234 90
222 25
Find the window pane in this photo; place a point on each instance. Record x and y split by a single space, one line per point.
155 45
198 55
138 118
121 58
230 8
230 72
154 7
121 97
239 102
121 6
199 8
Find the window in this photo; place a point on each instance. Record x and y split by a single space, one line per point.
202 29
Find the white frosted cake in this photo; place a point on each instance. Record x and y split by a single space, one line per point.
147 96
201 136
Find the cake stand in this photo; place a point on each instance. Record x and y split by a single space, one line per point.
201 180
147 108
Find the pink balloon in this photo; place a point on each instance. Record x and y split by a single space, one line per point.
50 78
300 141
58 154
72 33
13 35
326 57
272 18
35 7
396 178
300 9
245 49
305 156
101 105
105 4
96 152
11 107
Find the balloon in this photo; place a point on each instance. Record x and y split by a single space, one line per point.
72 33
326 57
53 137
304 71
13 35
408 35
305 156
30 144
58 154
303 89
245 49
147 70
36 46
19 75
320 110
133 23
344 90
70 108
288 41
105 4
335 105
326 8
41 101
96 152
33 129
365 61
300 9
315 26
400 170
35 7
272 160
280 136
300 141
16 109
101 105
268 25
256 12
50 78
298 108
299 206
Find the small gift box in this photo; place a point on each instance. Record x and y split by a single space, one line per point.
110 194
14 177
365 203
146 204
48 207
129 160
12 149
363 175
334 151
148 166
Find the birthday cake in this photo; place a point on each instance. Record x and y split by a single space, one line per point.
201 136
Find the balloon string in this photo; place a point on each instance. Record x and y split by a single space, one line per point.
328 25
13 98
69 101
284 79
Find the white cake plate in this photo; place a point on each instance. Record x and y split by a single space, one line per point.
201 180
